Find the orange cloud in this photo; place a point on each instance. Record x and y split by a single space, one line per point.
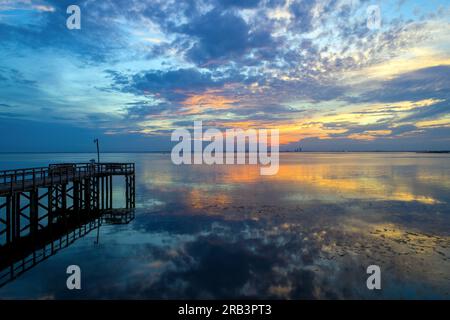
290 130
210 99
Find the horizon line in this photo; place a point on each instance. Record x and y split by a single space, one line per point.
281 151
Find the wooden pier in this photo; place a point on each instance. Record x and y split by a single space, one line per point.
36 199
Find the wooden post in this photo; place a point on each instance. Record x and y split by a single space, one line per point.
87 196
134 190
97 193
76 196
8 219
106 192
80 195
34 215
103 192
110 192
16 216
127 191
64 197
50 214
56 198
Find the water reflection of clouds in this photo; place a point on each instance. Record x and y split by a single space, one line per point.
296 181
291 260
308 232
184 255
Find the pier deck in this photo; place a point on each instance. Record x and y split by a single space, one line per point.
26 179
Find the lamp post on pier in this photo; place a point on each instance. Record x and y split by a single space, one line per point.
98 150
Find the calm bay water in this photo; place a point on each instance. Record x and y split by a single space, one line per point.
227 232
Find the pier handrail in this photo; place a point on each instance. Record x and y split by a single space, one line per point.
61 172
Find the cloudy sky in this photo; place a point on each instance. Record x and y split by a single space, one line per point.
138 69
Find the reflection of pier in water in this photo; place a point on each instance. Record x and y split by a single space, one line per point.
43 210
26 252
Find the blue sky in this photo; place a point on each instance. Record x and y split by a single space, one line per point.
139 69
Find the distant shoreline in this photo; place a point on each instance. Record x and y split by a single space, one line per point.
443 151
165 152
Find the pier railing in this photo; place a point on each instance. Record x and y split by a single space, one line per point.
17 179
